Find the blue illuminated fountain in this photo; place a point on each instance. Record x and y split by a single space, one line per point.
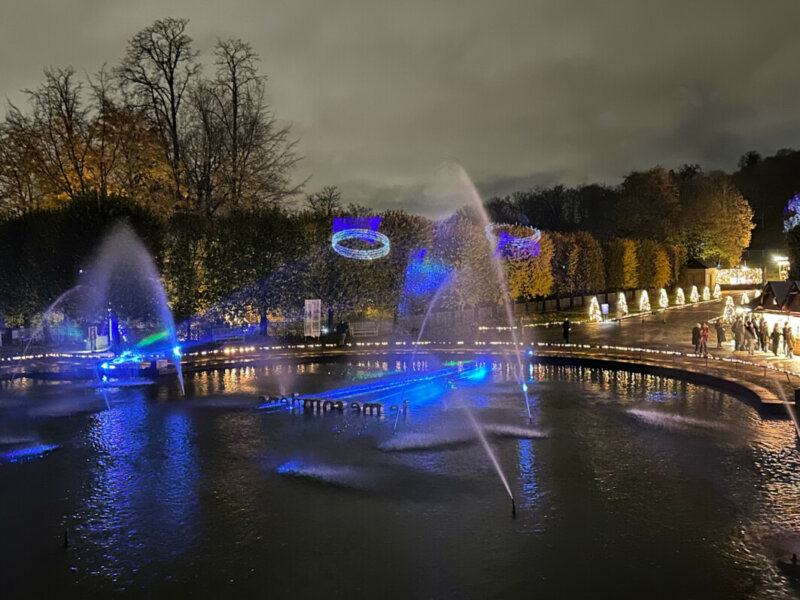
126 298
454 185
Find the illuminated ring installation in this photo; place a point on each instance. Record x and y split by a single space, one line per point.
520 243
367 235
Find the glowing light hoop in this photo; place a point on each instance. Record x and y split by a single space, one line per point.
493 231
366 235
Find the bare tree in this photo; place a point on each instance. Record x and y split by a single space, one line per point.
259 153
203 151
327 201
158 68
235 154
20 191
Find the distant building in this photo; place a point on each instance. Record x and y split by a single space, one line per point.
701 273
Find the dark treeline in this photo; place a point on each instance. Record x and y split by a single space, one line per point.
709 214
247 265
199 166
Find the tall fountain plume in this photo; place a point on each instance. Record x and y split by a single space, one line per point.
124 283
454 187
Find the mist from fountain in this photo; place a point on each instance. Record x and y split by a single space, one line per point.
454 183
789 409
50 309
123 280
433 301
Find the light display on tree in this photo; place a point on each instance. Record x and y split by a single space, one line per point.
729 312
644 302
693 295
364 229
680 299
740 275
706 294
717 292
791 214
663 299
509 245
595 314
622 305
745 299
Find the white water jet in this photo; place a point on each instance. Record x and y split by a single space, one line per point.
489 452
455 185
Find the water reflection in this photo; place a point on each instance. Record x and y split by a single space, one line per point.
140 506
623 463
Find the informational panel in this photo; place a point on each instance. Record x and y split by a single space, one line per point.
312 321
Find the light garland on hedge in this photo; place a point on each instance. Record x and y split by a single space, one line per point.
745 299
680 299
693 295
717 292
706 294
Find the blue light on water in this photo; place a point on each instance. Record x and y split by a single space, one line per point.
176 351
289 468
104 365
527 473
32 452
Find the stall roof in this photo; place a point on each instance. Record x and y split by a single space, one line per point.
699 263
777 294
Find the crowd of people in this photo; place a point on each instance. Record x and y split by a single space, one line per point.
750 335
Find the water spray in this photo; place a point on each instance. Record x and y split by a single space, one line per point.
493 458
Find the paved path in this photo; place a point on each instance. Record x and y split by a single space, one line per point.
671 331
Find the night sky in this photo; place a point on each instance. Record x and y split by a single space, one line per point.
519 92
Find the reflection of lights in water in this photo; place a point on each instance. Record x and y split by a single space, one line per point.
142 503
29 453
527 473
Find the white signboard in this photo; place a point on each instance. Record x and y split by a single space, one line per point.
312 320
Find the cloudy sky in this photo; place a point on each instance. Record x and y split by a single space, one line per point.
518 92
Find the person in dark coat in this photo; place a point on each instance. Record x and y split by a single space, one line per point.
750 337
764 334
566 326
696 338
788 340
720 328
775 338
738 334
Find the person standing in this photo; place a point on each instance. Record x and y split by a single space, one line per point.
776 339
738 333
720 328
788 340
750 337
566 326
764 334
696 338
705 333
